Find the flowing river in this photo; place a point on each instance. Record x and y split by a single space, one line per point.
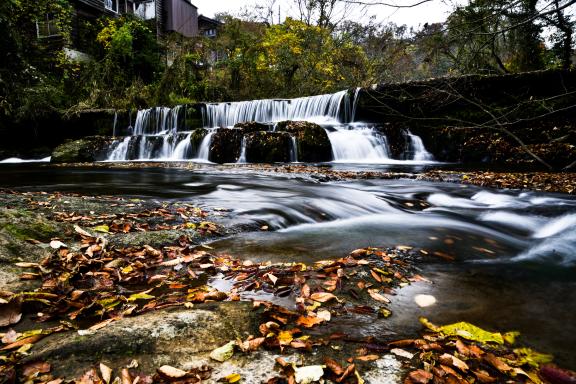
513 252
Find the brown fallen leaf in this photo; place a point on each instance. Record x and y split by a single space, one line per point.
27 340
36 368
453 361
323 297
309 321
10 337
106 373
420 376
90 377
333 366
377 296
171 372
367 358
10 312
497 363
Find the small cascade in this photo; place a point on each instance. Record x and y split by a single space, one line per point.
294 150
120 152
419 152
321 108
115 123
158 120
242 158
355 104
358 144
204 150
182 149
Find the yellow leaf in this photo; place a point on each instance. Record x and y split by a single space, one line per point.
233 378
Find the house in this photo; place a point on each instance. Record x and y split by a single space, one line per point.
171 16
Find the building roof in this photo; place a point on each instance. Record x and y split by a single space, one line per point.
202 18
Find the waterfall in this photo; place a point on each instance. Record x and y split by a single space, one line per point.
419 152
204 150
323 108
157 120
182 149
358 144
157 132
242 158
120 152
294 150
115 122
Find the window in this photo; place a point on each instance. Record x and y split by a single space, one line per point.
112 5
47 27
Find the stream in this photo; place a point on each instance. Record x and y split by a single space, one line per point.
513 252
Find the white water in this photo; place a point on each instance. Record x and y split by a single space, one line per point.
419 151
17 160
204 150
154 133
358 145
242 158
182 148
320 109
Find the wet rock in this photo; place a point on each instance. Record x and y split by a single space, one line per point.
268 147
252 126
88 149
153 238
313 142
225 145
196 138
178 337
15 227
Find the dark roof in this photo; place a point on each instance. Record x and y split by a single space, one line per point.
208 20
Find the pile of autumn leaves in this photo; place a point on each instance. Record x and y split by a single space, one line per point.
92 286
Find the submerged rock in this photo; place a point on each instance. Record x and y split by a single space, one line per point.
313 142
268 147
88 149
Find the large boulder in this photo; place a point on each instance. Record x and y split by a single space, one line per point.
313 142
252 126
226 145
88 149
268 147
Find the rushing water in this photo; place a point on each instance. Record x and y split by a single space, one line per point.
351 142
513 251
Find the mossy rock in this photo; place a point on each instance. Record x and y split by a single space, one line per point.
313 142
88 149
226 145
23 225
268 147
252 126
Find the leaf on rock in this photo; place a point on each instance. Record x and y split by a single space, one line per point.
323 297
465 330
106 373
171 372
102 229
10 313
377 296
36 368
309 321
233 378
420 376
309 374
223 353
402 353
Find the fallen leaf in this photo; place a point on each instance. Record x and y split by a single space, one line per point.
106 373
309 374
309 321
36 368
323 297
233 378
420 376
171 372
377 296
466 331
223 353
424 301
453 361
56 244
402 353
333 366
367 358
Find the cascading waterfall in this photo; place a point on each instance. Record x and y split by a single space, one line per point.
242 158
419 152
358 144
157 132
204 150
321 108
